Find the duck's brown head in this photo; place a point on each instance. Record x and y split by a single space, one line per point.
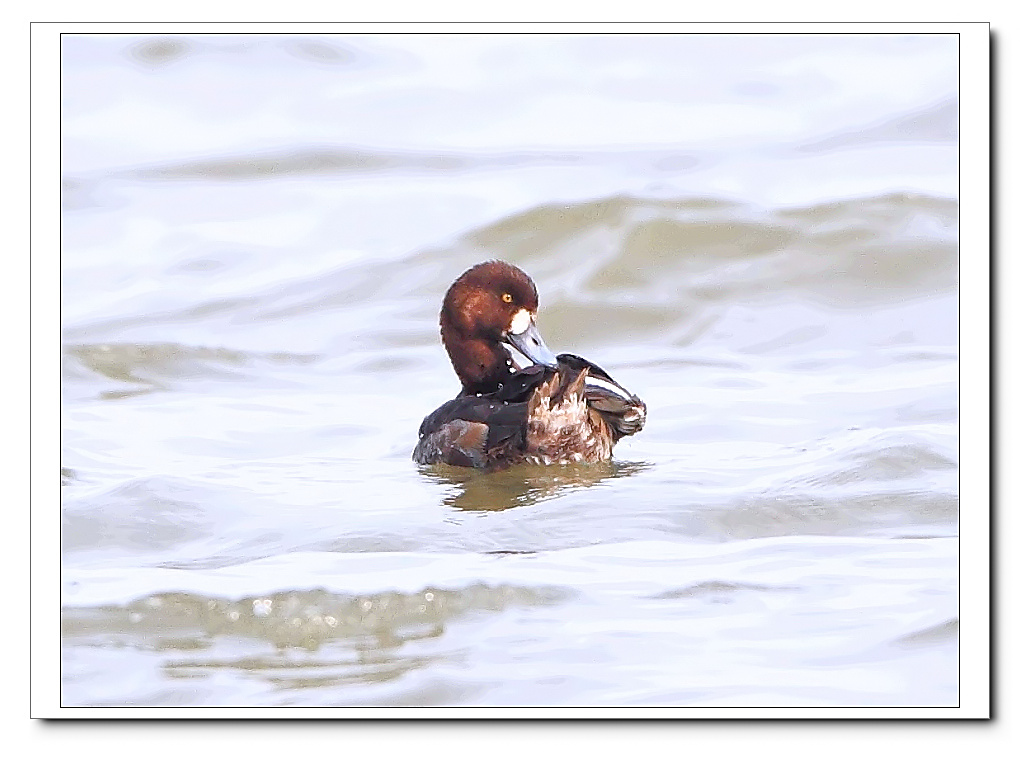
490 306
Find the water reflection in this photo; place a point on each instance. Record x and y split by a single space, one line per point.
524 484
319 638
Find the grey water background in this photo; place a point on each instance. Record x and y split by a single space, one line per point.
757 234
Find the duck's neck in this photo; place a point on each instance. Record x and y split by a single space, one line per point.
481 365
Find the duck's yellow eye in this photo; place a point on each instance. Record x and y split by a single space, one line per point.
508 298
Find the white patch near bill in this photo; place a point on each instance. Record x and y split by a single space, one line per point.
520 322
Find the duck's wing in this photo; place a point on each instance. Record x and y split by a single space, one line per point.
623 411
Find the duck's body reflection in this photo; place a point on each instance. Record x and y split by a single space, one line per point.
523 484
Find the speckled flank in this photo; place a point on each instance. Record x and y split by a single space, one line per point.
566 431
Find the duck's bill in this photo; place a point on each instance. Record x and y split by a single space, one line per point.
529 343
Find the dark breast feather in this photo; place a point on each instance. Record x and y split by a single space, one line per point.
483 408
478 430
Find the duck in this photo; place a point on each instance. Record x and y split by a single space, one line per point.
560 409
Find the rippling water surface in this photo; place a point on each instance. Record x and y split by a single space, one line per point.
757 234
